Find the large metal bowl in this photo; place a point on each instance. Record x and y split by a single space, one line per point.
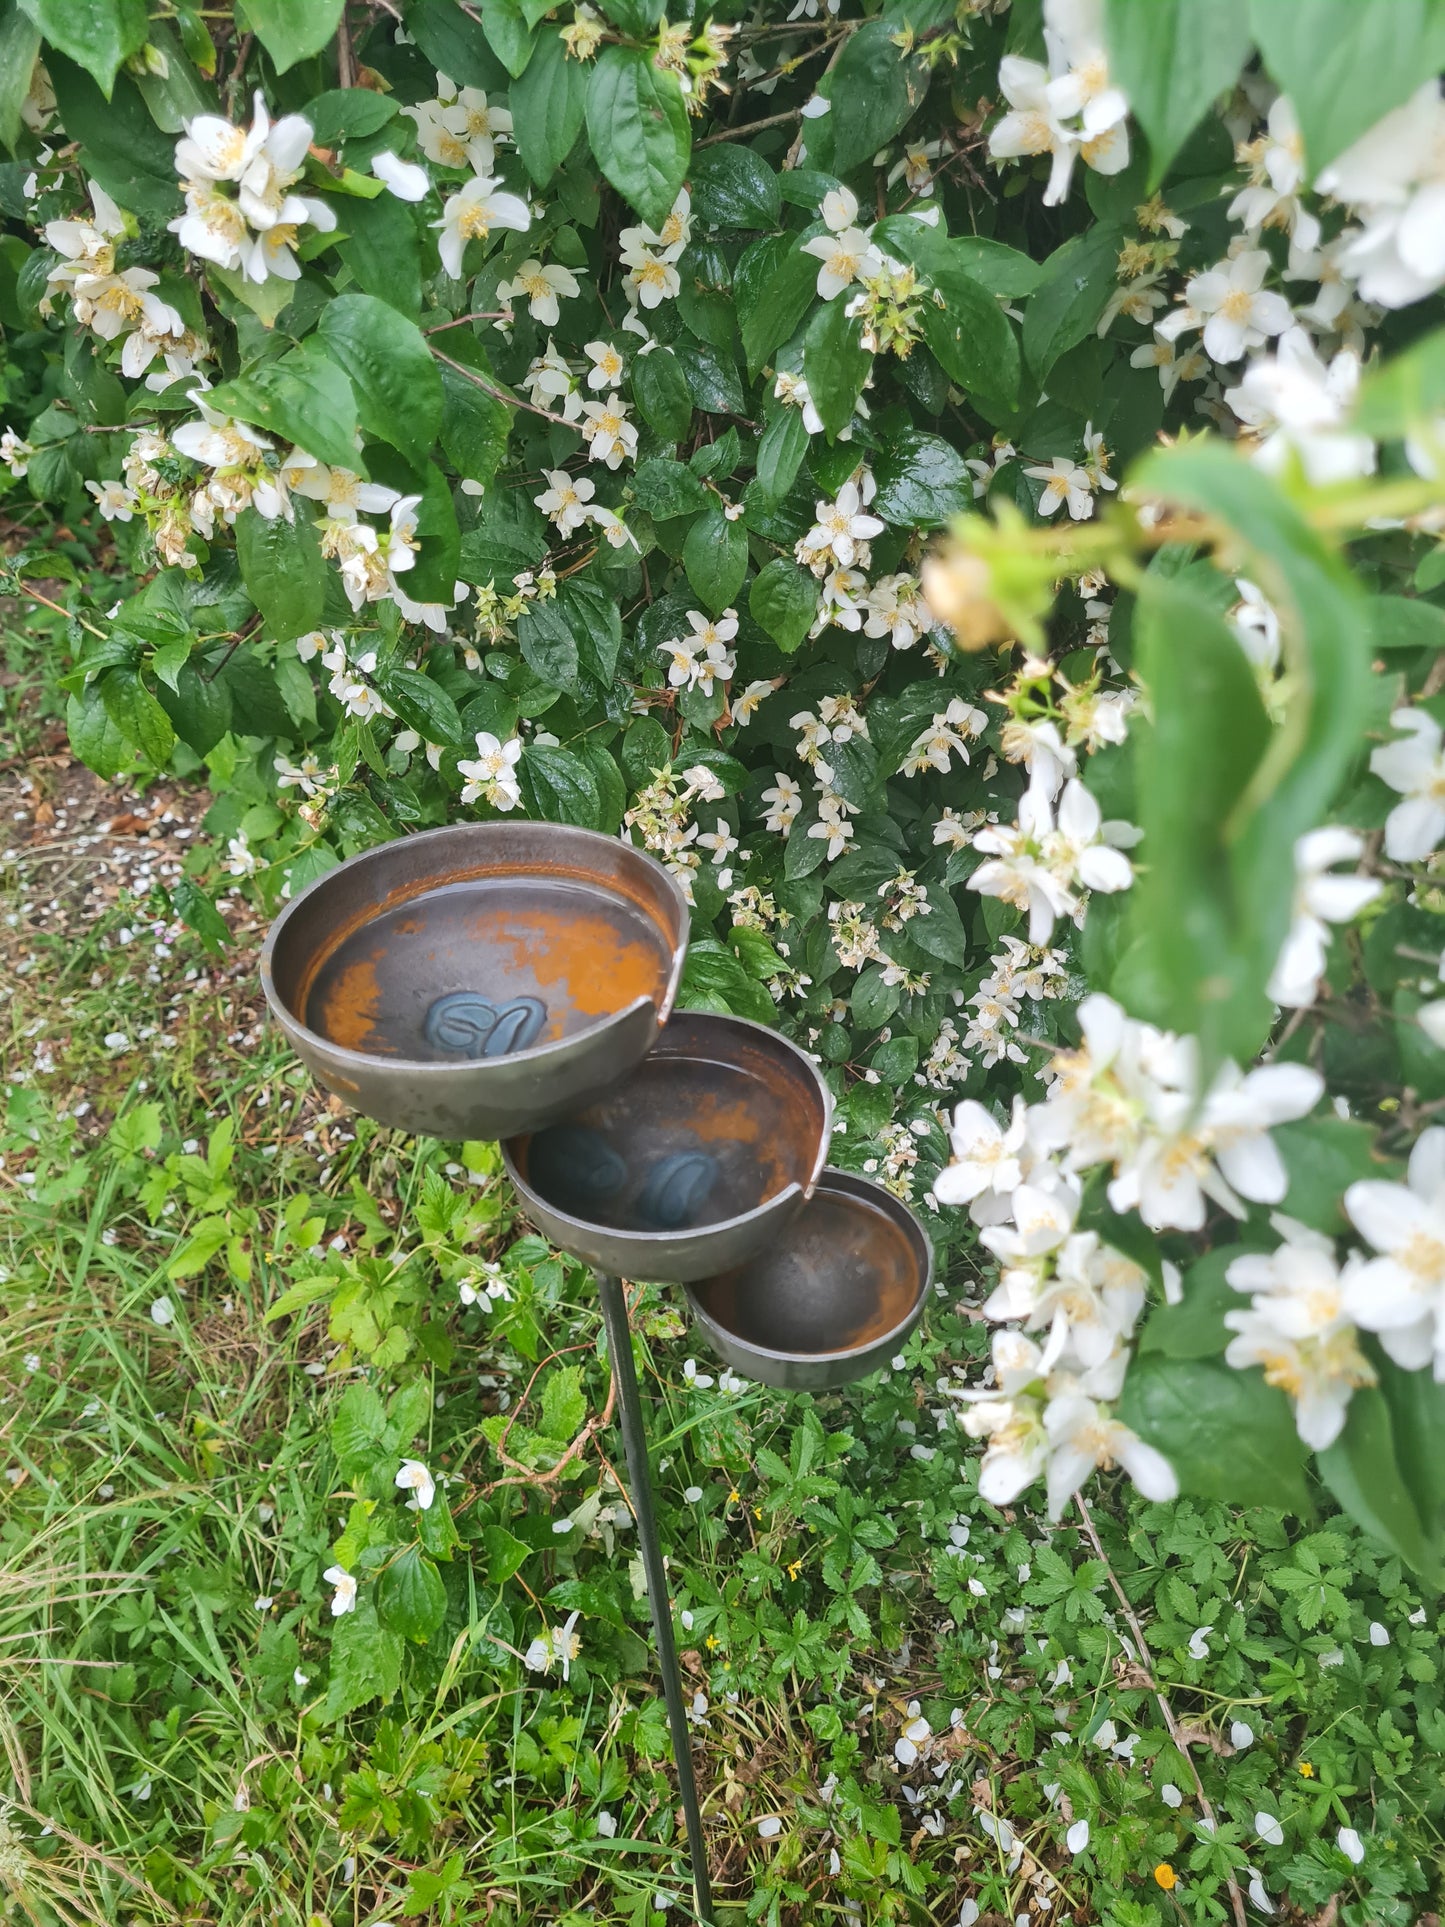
830 1298
690 1164
479 980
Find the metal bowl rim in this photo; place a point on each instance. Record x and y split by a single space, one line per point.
651 1240
344 1055
856 1184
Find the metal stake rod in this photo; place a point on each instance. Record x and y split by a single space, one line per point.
634 1440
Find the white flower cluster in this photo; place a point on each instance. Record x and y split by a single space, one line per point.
241 212
1071 109
661 814
1128 1100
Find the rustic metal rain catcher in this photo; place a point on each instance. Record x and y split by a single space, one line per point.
517 981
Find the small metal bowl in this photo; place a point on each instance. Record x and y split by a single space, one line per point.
479 980
690 1164
831 1297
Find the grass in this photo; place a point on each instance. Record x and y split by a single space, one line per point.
172 1491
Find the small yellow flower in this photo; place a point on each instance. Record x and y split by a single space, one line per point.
757 1512
1165 1875
795 1566
1306 1770
735 1497
712 1642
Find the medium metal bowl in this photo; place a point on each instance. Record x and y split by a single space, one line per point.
830 1298
479 980
690 1164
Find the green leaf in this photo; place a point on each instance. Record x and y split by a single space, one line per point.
548 102
197 911
304 398
1228 1435
382 249
96 34
783 600
637 123
1404 622
1404 393
505 1554
508 34
646 748
348 113
19 46
475 427
365 1660
199 708
592 615
292 30
547 644
454 43
1345 65
94 734
1195 1327
1324 1156
559 787
283 570
1209 736
438 1532
138 715
564 1404
734 187
715 556
1173 58
396 383
711 377
1417 1422
1064 308
922 481
781 449
422 705
121 146
836 364
875 90
1362 1471
662 394
774 286
433 575
972 340
410 1596
663 488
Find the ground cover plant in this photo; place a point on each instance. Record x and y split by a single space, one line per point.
960 484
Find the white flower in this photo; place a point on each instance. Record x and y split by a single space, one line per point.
1241 1735
1395 174
472 214
839 209
833 826
343 1600
1082 1436
565 499
897 609
15 453
698 660
340 490
1298 1329
557 1646
841 526
986 1167
1267 1826
1077 1837
784 801
542 287
610 436
1031 127
113 499
607 364
163 1312
405 179
845 256
1064 481
1320 899
492 773
1256 624
1298 406
1415 766
652 275
1350 1845
459 129
1038 864
1401 1293
549 379
721 842
414 1478
254 227
1232 306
